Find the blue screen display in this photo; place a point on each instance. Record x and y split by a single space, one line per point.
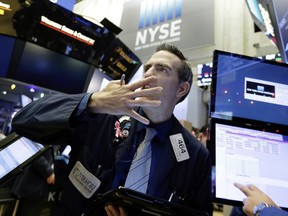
249 88
7 45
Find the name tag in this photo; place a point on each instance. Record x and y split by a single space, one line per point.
179 147
83 180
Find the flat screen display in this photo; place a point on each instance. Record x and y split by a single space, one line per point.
249 155
52 70
7 46
15 153
204 74
247 88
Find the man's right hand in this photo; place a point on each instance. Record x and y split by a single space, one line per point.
254 197
119 99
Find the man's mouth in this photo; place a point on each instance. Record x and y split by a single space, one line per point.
147 87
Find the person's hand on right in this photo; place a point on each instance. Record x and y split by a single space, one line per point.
254 197
119 99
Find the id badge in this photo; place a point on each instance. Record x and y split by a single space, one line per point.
85 182
179 147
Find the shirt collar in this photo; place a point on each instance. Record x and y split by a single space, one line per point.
162 128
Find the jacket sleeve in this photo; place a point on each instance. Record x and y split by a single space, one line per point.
47 120
272 211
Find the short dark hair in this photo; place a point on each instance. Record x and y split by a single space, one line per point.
184 72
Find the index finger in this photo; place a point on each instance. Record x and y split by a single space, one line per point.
138 117
243 188
142 82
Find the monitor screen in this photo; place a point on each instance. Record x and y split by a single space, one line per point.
204 74
49 69
7 46
249 155
247 88
118 60
15 153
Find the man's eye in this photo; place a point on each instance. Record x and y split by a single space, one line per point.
146 68
162 69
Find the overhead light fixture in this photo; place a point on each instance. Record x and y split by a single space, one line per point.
13 86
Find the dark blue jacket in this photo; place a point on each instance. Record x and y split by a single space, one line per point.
271 211
54 120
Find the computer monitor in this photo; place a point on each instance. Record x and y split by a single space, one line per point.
248 88
249 155
52 70
16 152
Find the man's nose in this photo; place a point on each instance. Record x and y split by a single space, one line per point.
149 72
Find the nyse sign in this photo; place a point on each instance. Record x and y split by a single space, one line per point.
166 32
187 24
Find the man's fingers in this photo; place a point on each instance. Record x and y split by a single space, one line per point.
143 103
147 92
243 188
253 188
138 117
142 82
111 210
122 211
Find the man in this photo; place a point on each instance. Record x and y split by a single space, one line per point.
32 186
104 144
203 133
258 203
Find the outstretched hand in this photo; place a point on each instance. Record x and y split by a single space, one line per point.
119 99
254 197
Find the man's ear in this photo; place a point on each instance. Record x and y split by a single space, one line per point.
183 88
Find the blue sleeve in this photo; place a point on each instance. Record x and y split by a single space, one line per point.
271 211
83 104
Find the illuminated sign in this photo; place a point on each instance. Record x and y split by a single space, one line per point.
5 6
67 31
162 13
267 21
186 24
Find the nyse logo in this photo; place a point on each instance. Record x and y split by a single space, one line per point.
159 32
159 21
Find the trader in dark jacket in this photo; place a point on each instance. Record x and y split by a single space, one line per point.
105 128
31 187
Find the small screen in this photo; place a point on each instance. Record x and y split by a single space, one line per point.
204 74
249 88
16 154
249 156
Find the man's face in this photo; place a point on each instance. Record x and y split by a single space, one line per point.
164 65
